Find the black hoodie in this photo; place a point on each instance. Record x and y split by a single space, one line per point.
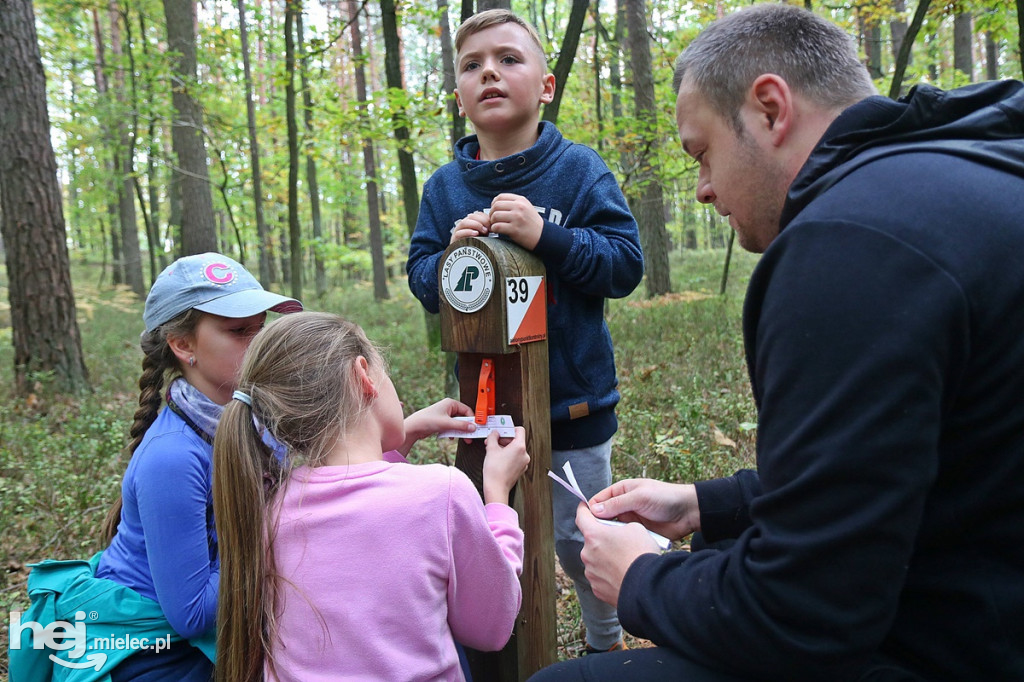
882 537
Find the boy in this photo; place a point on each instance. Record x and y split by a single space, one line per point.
519 179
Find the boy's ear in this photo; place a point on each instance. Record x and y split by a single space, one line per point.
548 93
458 102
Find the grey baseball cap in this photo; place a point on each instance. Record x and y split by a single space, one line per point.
212 283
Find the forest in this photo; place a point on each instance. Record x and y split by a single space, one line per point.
295 136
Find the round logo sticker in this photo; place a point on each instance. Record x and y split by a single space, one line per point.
467 279
219 273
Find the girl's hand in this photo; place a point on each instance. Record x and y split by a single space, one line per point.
437 417
503 465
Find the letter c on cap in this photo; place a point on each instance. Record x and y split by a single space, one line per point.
212 273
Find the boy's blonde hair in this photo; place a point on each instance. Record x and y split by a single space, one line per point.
494 17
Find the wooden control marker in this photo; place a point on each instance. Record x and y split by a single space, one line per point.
493 310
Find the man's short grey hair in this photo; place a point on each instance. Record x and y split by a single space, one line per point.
816 58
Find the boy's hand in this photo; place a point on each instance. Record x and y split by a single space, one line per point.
476 224
515 217
506 460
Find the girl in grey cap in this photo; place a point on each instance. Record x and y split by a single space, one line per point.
200 316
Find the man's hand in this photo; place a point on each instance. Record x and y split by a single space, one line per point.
666 508
608 552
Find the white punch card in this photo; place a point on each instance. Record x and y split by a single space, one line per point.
502 423
574 487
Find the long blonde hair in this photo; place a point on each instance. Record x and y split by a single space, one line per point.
298 375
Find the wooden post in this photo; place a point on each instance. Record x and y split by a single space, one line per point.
493 305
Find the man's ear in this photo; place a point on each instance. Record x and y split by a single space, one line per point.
547 95
773 105
183 347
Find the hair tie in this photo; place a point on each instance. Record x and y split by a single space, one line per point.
242 397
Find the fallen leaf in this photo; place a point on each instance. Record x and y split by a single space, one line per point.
723 439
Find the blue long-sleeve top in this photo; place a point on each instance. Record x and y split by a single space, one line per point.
590 247
166 544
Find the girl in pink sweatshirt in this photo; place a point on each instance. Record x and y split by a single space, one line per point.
339 560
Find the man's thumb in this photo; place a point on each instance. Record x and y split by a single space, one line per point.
583 516
605 510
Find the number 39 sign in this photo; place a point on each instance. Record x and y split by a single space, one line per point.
527 309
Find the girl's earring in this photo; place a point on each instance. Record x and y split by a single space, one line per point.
192 361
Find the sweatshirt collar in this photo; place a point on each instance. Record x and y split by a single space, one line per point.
467 152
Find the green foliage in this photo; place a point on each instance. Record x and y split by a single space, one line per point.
686 407
596 108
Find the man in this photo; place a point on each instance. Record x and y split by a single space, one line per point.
882 536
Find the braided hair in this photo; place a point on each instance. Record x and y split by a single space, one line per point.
159 364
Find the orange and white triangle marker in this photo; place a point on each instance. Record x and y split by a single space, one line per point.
527 309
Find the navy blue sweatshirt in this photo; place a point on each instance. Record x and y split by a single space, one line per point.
882 536
590 247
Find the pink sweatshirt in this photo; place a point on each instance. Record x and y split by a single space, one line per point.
382 564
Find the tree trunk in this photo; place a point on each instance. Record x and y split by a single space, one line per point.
991 57
136 106
728 259
873 46
292 9
173 199
898 28
74 189
566 56
110 141
598 67
380 275
649 209
44 329
157 261
396 81
191 172
262 234
615 69
131 256
448 74
319 274
963 44
1020 34
903 58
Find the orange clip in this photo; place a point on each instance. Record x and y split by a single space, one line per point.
485 392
